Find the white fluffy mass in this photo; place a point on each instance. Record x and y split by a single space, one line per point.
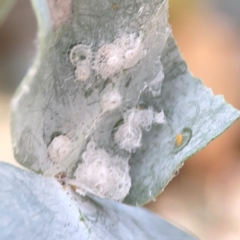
80 53
102 174
81 57
142 118
123 53
129 135
82 71
155 86
59 148
111 101
159 118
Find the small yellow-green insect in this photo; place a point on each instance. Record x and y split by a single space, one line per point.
179 139
182 139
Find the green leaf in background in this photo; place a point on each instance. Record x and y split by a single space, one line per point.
5 7
35 207
60 98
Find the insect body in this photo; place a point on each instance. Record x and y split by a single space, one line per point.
182 139
179 139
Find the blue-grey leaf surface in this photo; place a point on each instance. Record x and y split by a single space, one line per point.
52 102
36 207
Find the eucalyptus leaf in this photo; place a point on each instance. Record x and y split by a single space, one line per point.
193 113
36 207
56 99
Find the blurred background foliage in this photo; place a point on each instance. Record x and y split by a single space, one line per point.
5 8
204 196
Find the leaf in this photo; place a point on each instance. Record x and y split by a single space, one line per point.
52 102
5 7
35 207
191 110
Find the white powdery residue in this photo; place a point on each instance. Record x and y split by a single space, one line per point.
123 53
142 118
80 53
111 101
134 51
108 61
102 175
129 135
155 86
82 71
146 119
59 149
81 57
159 118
